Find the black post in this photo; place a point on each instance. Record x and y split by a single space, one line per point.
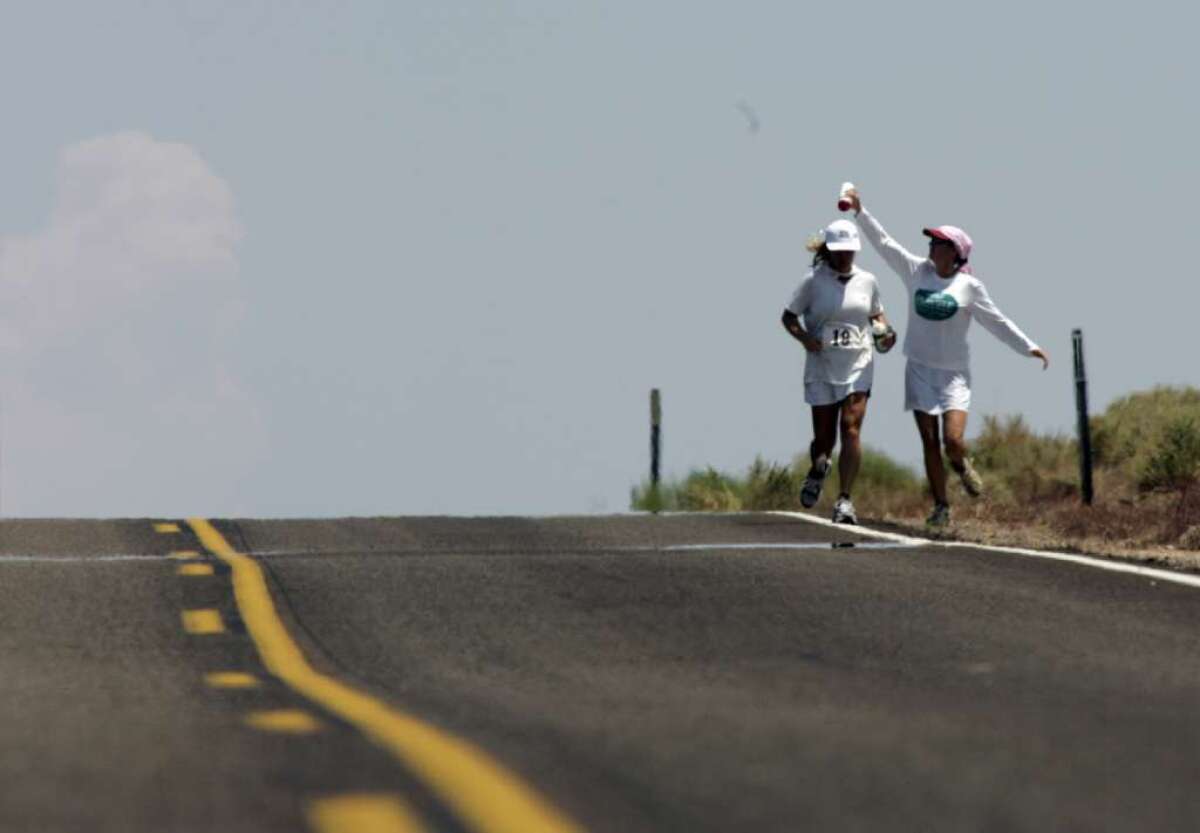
655 435
1085 429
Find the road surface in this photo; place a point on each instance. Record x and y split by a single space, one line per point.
626 674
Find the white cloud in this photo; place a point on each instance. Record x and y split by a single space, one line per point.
119 394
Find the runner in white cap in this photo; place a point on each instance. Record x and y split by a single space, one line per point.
937 381
834 314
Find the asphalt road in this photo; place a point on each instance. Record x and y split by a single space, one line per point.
685 673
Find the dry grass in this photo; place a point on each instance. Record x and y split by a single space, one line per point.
1032 495
1110 529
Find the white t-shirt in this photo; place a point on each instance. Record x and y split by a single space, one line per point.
940 309
839 313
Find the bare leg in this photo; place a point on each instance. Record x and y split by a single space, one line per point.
954 426
927 426
854 410
825 421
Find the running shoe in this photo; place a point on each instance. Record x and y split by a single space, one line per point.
843 512
810 492
971 480
940 516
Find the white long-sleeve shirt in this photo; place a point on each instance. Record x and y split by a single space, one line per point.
940 309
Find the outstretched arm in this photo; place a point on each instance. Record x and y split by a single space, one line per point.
903 262
997 323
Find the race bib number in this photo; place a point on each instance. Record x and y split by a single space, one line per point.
846 351
841 336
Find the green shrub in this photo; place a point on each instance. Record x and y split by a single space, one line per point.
881 473
1017 463
703 490
884 485
710 490
1174 465
1132 427
770 486
648 498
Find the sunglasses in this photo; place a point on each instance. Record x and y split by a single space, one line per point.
937 241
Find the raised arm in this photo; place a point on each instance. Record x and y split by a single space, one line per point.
903 262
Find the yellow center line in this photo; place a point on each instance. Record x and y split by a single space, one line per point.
166 529
194 570
486 796
202 622
287 721
231 679
364 813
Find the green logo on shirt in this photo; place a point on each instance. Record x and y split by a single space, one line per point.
936 306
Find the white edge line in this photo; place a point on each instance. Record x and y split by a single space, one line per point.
600 548
1088 561
812 545
858 530
75 559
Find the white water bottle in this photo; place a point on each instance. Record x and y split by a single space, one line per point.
845 203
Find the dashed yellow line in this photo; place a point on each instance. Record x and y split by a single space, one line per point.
231 679
485 796
166 528
202 622
363 813
195 570
287 721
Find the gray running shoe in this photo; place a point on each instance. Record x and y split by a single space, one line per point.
971 480
940 516
843 512
810 492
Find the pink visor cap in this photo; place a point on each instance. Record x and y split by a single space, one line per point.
953 234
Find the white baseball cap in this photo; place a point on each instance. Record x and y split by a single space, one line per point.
842 236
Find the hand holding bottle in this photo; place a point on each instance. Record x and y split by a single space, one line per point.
848 198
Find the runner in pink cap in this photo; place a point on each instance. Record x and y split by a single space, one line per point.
957 237
945 298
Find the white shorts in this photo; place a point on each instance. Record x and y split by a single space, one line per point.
935 391
830 393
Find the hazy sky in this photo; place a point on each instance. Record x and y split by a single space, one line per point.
430 257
